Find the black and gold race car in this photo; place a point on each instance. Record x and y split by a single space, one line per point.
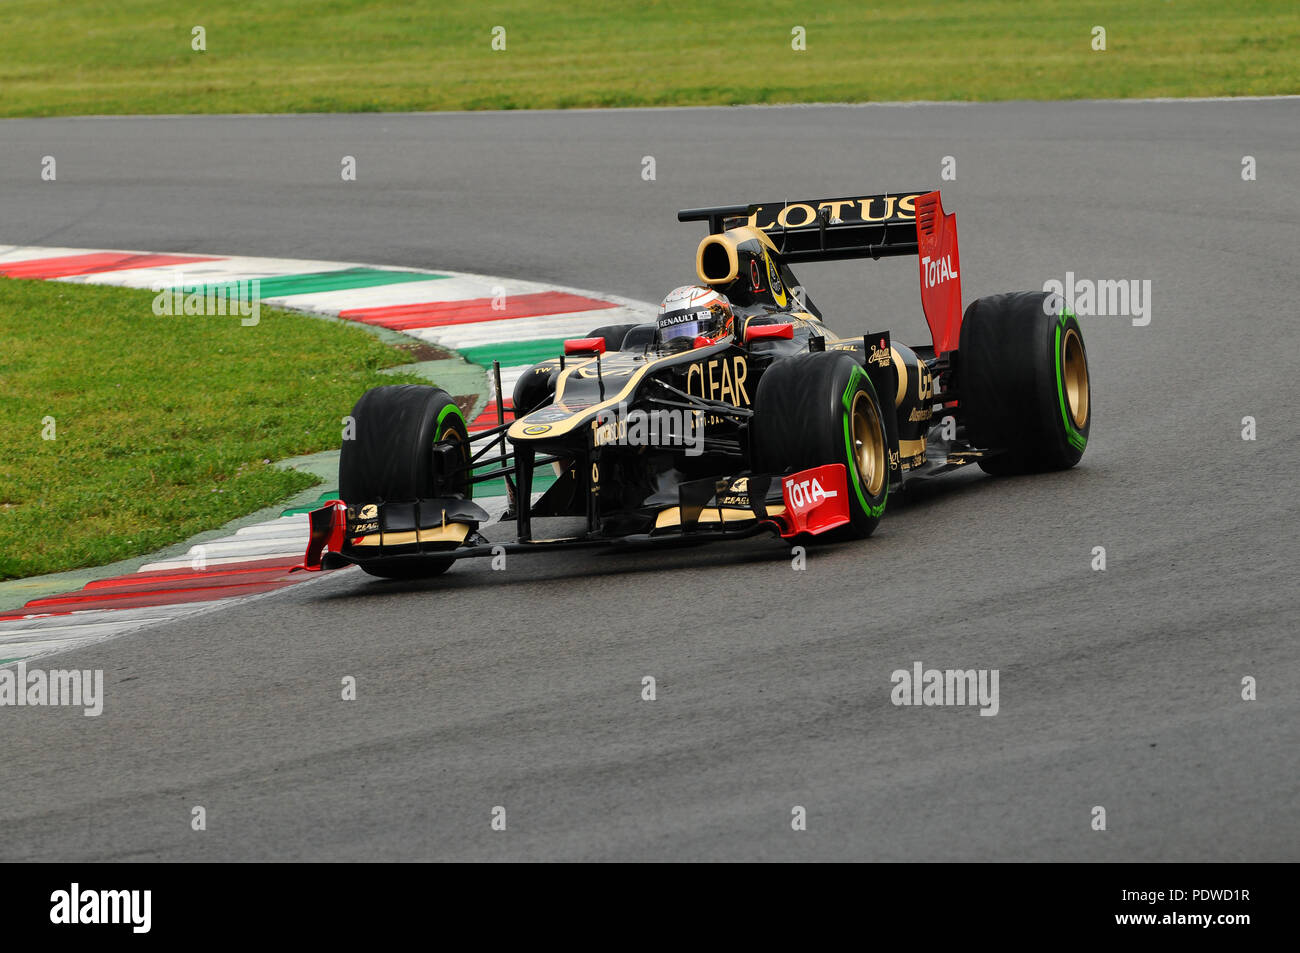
767 422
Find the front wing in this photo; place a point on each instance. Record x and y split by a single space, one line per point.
809 503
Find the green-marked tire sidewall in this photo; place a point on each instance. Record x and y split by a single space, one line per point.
802 419
1011 382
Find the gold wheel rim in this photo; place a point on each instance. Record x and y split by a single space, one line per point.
1074 374
868 444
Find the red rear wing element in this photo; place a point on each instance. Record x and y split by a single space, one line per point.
936 239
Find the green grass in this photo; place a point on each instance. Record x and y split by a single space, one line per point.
163 426
134 56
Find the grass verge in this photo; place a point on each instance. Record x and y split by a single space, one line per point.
161 427
138 56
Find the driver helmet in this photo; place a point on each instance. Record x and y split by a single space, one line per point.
690 313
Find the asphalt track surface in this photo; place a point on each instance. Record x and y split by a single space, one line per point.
522 688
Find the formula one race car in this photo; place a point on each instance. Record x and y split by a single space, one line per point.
736 412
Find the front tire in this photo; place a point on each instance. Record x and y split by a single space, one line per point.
1024 385
815 409
390 460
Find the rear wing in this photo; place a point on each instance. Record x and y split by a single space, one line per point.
858 226
863 226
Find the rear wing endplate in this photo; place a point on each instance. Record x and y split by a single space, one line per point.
936 236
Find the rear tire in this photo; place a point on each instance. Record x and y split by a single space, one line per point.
815 409
390 459
1024 386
